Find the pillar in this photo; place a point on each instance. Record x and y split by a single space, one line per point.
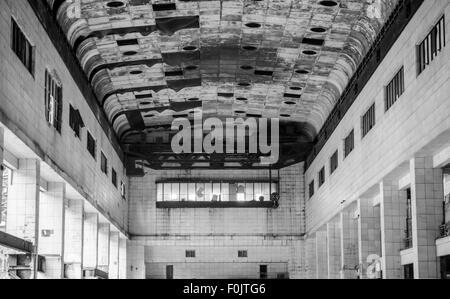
123 266
369 236
349 243
114 255
311 257
90 241
73 239
334 248
103 247
1 167
427 196
321 254
393 226
23 208
51 229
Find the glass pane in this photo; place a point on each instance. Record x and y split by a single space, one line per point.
159 193
183 192
208 192
175 194
217 196
266 191
167 192
233 192
241 192
191 196
200 192
258 192
249 196
225 192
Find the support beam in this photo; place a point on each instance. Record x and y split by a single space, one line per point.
321 254
114 255
103 247
369 235
393 226
23 207
334 248
51 229
349 243
311 259
427 196
123 263
73 244
90 241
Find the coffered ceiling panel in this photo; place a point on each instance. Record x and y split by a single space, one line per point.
151 60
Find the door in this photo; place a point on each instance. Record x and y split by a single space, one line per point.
169 272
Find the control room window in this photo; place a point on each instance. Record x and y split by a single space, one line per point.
22 47
215 191
190 254
368 121
431 46
123 190
104 164
242 254
91 145
53 100
395 89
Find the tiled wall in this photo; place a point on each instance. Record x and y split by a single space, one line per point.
419 118
22 112
147 220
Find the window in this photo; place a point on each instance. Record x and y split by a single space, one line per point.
123 191
75 121
334 162
169 272
321 177
216 191
408 242
53 100
395 89
190 254
91 145
242 254
368 121
22 47
349 143
263 272
311 189
114 177
104 164
430 47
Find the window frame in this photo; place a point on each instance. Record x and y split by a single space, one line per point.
369 120
425 47
321 177
14 44
334 162
104 167
54 104
90 137
395 89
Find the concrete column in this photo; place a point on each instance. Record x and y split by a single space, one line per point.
349 243
23 206
393 227
73 244
114 255
90 241
369 234
334 248
123 264
427 196
311 259
321 254
103 247
51 229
